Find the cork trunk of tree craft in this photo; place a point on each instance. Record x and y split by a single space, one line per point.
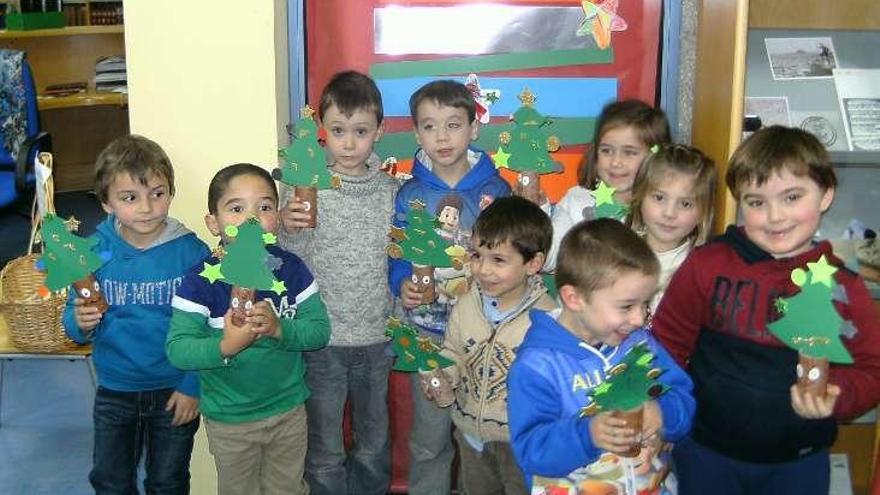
528 186
423 277
309 197
812 374
634 419
241 300
90 291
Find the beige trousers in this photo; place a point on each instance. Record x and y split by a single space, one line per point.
261 457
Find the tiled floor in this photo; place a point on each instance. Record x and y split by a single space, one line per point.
46 428
46 404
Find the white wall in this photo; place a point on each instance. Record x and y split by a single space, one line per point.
208 81
204 83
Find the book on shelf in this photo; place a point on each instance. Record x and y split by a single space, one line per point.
65 89
110 74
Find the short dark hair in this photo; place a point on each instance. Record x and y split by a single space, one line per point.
351 91
136 156
650 124
224 176
773 149
594 253
517 220
445 92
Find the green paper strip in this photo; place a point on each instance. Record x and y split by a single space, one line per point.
491 63
569 131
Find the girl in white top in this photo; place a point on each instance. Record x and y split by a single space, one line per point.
625 131
673 199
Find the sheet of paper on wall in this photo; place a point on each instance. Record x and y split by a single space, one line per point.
489 28
858 91
827 126
772 110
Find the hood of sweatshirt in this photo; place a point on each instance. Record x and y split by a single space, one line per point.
110 229
482 169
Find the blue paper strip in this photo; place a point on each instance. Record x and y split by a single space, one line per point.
557 97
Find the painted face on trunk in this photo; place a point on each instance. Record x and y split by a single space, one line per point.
423 277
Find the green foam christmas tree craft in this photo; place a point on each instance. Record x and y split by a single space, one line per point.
305 164
246 266
628 385
810 323
606 205
68 259
420 244
526 149
414 353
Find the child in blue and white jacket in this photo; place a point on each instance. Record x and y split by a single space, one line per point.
606 276
454 182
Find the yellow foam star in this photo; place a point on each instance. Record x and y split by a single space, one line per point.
212 272
72 224
822 271
501 158
604 194
278 287
269 238
306 112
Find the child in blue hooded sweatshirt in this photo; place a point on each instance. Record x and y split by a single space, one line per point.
606 276
454 182
142 402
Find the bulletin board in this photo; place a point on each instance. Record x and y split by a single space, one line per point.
575 56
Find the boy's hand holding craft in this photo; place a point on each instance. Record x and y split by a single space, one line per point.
87 317
235 338
263 320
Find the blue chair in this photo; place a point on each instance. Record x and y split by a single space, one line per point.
20 136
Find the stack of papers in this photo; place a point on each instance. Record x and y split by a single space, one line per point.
110 74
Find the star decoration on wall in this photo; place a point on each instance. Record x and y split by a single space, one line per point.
483 98
500 157
600 19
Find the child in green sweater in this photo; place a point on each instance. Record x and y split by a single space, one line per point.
252 376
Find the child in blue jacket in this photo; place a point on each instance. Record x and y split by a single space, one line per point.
454 182
143 405
606 276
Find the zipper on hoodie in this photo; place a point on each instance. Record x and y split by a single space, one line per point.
494 336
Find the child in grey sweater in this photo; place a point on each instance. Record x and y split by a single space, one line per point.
346 252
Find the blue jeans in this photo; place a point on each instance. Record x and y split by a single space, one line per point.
128 423
334 374
702 470
430 446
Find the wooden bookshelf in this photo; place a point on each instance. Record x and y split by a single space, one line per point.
65 31
81 124
86 99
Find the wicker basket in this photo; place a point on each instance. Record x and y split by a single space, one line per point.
34 322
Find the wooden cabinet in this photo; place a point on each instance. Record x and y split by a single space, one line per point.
723 65
80 124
